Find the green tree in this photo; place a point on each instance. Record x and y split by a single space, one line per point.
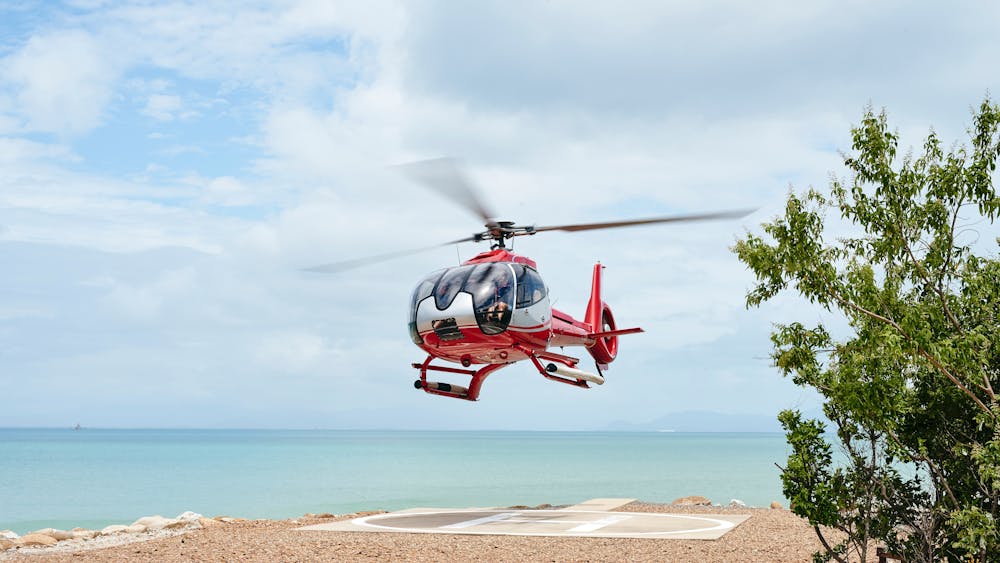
911 393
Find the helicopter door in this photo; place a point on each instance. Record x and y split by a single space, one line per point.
530 287
532 310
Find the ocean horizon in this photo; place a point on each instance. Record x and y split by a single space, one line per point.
92 477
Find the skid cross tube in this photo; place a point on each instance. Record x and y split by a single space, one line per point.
454 391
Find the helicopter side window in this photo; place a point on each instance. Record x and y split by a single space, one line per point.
449 285
530 287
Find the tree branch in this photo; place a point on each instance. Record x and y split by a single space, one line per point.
939 288
935 287
934 361
930 465
826 546
951 242
922 272
937 364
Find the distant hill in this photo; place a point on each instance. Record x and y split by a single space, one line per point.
702 421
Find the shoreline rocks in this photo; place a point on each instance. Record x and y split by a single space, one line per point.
147 527
34 539
692 501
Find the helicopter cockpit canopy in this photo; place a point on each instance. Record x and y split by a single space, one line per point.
491 286
496 289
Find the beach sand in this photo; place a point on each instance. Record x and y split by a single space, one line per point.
769 535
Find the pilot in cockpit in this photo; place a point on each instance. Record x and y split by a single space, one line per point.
498 311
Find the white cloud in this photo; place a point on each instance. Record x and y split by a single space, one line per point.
22 151
176 150
714 58
145 302
227 191
43 204
64 81
14 312
163 107
297 353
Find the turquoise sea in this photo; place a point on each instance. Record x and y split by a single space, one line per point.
92 478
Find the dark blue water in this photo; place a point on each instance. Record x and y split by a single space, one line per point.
92 478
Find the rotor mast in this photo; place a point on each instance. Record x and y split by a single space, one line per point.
500 231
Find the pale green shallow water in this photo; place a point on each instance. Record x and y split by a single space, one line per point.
92 478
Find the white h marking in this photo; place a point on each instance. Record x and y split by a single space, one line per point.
598 524
483 520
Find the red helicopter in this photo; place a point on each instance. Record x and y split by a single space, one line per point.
493 310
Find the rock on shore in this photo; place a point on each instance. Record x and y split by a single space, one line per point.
692 501
147 527
36 538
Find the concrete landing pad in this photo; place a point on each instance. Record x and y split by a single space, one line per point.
565 522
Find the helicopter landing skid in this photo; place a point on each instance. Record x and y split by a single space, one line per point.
470 393
548 372
565 373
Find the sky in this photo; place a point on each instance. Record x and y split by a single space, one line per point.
168 168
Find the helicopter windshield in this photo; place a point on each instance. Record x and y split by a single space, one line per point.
492 289
423 291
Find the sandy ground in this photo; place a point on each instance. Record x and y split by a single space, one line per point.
769 535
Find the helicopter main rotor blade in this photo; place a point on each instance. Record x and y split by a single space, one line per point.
735 214
445 176
344 265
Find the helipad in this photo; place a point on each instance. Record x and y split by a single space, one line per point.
571 521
